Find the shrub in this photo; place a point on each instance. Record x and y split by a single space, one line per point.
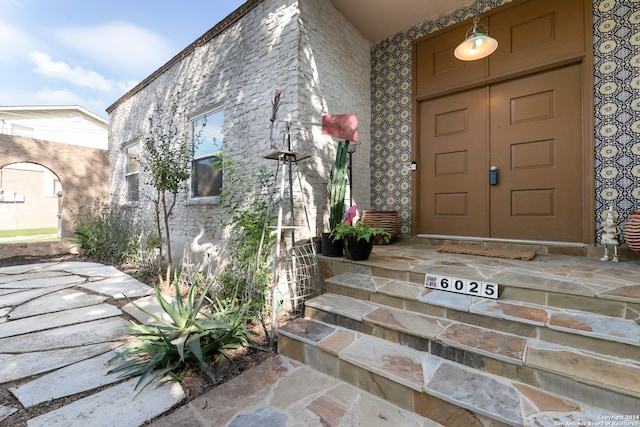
108 233
245 198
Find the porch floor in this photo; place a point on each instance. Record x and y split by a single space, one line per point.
556 273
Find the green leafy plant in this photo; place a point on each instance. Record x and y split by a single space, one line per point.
245 199
338 185
163 348
359 231
108 233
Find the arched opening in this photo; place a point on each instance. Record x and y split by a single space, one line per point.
30 203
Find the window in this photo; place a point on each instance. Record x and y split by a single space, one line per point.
207 140
132 172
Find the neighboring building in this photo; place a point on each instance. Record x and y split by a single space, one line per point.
41 145
28 197
67 124
555 108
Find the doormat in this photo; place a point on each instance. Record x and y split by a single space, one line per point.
457 248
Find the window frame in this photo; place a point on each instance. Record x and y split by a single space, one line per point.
127 174
216 154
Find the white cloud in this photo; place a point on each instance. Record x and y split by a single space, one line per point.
76 75
119 45
44 96
48 96
13 42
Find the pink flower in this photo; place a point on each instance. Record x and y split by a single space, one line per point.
350 214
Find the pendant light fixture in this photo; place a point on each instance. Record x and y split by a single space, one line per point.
477 43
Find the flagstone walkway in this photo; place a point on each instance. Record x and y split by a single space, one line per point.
58 332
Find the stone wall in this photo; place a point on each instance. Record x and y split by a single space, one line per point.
83 172
277 44
37 249
335 65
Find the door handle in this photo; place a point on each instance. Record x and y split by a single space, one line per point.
493 175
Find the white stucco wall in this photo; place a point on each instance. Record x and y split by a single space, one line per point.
306 49
66 125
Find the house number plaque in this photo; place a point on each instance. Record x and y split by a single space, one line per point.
461 286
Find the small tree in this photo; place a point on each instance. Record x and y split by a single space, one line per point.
167 162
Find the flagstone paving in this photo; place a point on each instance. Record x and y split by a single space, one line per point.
120 402
14 367
66 352
5 411
283 392
53 320
67 381
65 299
57 335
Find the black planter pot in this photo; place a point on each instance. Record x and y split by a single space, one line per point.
329 247
358 250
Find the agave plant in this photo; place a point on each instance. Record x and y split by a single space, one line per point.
162 348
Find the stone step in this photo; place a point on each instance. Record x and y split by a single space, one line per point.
608 335
563 282
525 359
446 392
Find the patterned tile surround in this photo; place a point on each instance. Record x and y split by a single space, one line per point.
616 46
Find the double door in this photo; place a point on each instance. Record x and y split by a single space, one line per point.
505 160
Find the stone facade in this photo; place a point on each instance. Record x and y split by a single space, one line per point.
323 65
298 47
82 171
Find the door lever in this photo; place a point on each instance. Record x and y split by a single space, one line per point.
493 175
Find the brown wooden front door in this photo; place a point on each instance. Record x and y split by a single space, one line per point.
530 129
452 165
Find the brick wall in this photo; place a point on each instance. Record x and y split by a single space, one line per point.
82 171
36 211
305 49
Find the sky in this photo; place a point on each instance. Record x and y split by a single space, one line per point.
91 52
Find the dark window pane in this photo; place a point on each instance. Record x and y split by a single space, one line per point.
207 178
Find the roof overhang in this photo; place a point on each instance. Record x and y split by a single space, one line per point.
377 20
75 108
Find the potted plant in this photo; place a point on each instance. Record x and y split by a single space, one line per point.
358 238
333 247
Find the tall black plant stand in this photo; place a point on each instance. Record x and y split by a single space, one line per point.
295 264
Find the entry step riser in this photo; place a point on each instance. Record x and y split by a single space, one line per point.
611 336
430 385
584 294
496 353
